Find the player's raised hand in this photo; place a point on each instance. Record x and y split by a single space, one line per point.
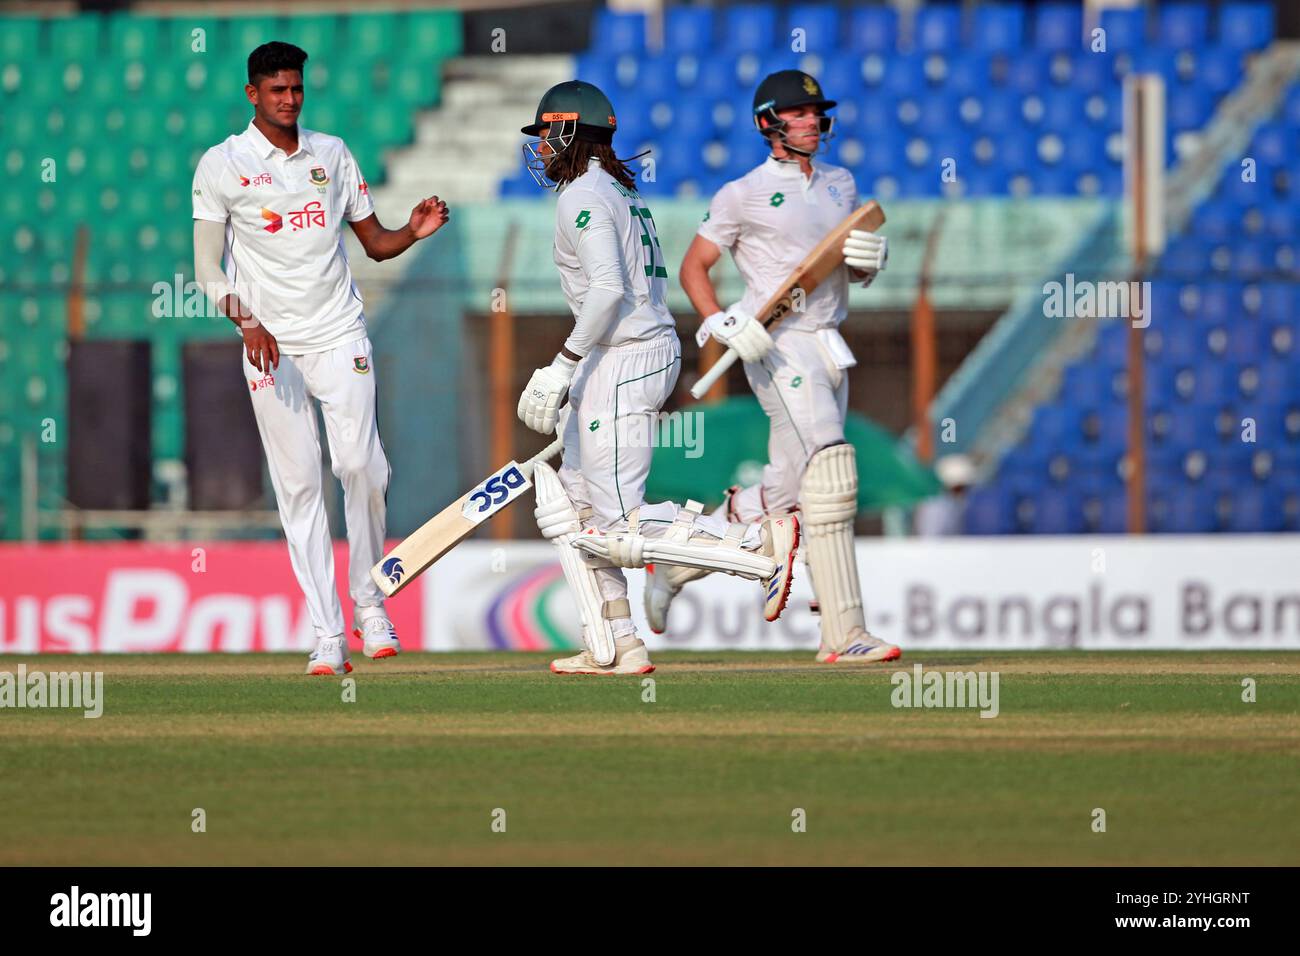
539 405
866 252
428 216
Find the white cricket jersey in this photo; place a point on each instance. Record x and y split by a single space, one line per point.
771 218
284 218
639 269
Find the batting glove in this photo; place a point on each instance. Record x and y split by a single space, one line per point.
539 405
744 334
866 252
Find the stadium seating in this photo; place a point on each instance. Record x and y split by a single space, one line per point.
125 105
1017 72
1222 394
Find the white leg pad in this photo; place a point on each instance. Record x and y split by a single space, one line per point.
559 521
828 498
680 547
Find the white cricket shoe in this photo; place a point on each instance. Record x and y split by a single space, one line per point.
330 658
780 536
663 583
630 657
378 639
861 648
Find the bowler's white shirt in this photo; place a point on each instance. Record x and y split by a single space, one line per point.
284 216
770 219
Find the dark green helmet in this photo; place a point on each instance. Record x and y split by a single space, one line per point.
568 111
787 89
578 103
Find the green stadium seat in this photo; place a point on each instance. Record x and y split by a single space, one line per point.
43 84
390 127
77 38
432 34
318 35
352 80
22 125
132 37
245 34
20 40
372 34
416 83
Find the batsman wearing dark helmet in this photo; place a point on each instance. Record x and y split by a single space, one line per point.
617 368
769 219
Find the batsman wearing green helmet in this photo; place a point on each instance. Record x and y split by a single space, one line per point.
769 219
617 367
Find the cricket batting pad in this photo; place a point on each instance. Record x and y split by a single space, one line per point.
558 521
679 547
828 498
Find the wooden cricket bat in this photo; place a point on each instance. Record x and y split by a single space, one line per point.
456 522
824 259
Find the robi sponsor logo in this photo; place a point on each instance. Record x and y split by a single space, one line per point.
273 221
266 381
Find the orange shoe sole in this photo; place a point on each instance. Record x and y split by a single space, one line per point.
789 577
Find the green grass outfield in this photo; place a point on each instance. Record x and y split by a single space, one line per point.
709 773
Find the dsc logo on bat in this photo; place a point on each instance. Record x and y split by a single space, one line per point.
495 493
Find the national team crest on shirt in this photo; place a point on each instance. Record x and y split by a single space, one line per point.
318 175
361 365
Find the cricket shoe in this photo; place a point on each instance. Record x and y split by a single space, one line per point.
862 648
630 657
330 658
780 537
378 639
662 584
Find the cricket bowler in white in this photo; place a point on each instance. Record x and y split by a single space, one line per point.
770 219
618 367
272 202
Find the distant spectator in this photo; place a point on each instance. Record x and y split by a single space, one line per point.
945 514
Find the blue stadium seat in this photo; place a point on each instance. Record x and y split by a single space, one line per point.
1183 25
617 33
1290 111
821 25
938 114
1246 26
1016 151
749 27
1188 107
1055 426
989 510
1184 511
688 29
998 28
873 30
1062 109
1256 509
1029 72
717 78
1274 143
1057 512
937 27
1090 72
1000 112
968 73
1125 29
1220 301
1218 69
1279 300
1058 26
905 76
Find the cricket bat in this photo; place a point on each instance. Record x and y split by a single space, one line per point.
456 522
824 259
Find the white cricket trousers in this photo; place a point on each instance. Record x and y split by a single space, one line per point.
806 399
609 427
342 380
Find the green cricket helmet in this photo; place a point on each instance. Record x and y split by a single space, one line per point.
572 110
788 89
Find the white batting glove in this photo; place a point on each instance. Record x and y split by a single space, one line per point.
866 252
539 405
740 331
